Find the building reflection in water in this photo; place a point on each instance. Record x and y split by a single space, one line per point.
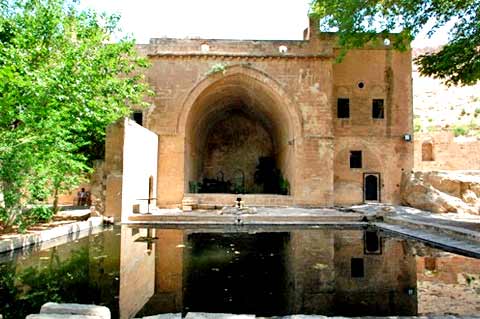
268 272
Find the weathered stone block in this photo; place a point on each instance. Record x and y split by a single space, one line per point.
60 316
205 315
165 316
75 309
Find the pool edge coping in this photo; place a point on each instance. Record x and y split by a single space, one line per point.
20 241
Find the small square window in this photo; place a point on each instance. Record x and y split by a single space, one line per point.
138 117
355 159
357 268
343 108
378 109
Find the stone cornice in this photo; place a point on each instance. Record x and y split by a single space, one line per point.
238 55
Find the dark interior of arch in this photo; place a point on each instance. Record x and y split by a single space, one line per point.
236 143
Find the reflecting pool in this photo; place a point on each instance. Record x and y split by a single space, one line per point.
267 271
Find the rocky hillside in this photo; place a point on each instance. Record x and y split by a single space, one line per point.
437 106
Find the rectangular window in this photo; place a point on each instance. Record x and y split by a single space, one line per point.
355 159
378 110
343 108
138 117
357 269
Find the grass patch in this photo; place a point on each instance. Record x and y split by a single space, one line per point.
460 130
466 129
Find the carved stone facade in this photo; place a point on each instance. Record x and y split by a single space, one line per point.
282 100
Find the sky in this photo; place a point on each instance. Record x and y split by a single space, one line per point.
217 19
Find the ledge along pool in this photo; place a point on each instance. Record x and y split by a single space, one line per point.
266 271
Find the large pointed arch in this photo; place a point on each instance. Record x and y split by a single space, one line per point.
247 90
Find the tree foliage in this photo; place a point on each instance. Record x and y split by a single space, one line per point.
360 21
62 82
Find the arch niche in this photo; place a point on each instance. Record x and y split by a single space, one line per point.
232 122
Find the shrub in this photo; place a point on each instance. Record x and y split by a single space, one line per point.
417 124
460 130
40 214
216 68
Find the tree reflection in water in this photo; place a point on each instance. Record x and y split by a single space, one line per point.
24 291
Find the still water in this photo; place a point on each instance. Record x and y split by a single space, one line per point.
262 271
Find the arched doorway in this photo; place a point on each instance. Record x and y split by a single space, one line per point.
239 137
427 152
371 187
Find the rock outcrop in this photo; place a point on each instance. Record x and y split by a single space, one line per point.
442 191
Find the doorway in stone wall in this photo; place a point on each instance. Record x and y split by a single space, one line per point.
371 187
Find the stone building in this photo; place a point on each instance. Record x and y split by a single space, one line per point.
440 150
278 121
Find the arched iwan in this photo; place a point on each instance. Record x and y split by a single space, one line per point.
232 121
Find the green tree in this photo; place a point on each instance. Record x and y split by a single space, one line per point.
62 81
360 21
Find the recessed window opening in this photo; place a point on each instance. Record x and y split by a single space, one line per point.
378 110
205 48
430 263
355 159
427 152
361 85
283 49
343 108
138 117
357 268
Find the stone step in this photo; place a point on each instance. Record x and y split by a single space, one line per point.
211 200
247 219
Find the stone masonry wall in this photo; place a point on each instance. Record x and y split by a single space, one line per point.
131 161
233 148
296 91
385 75
314 159
442 151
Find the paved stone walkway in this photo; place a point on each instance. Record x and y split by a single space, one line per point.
203 315
436 239
464 226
